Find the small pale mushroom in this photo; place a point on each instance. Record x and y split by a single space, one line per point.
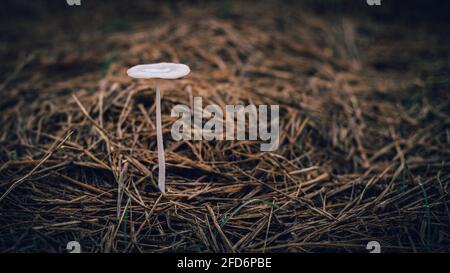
159 71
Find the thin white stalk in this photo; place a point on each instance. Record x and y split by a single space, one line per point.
159 140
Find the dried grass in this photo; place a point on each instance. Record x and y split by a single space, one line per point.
364 151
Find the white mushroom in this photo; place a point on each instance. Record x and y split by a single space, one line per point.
161 71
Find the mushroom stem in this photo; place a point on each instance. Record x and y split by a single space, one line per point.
159 140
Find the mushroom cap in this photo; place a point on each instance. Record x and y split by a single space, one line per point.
159 70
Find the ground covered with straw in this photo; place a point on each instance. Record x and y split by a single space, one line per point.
364 130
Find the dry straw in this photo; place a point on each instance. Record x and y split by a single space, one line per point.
364 135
